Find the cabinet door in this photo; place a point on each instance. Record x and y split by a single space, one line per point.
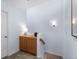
32 46
27 44
22 43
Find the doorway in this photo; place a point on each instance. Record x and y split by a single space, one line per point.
4 34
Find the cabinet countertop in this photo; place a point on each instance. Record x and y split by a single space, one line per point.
29 36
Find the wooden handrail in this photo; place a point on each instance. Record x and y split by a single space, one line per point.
42 40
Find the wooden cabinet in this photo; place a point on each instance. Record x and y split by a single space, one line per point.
28 44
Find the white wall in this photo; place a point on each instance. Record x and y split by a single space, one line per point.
70 43
16 17
38 20
58 40
40 46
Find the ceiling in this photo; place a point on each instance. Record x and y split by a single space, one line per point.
24 3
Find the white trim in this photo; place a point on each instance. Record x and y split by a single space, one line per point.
38 56
53 53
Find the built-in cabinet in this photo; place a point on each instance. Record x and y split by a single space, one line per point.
28 44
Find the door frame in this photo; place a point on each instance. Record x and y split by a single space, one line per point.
7 29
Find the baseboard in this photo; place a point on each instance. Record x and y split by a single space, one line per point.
9 54
53 53
38 57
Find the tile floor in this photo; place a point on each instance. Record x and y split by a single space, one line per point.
24 55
